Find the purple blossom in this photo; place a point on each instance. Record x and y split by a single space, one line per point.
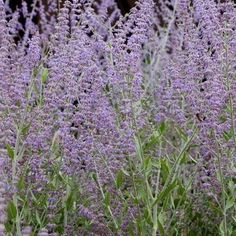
79 88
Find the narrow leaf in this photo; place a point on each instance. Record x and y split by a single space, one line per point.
10 151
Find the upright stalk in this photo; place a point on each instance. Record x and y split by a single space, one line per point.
222 180
231 102
14 166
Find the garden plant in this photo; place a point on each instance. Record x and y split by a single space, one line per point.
118 125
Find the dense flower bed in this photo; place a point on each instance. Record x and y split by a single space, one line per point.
118 125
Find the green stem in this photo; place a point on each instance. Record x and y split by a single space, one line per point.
65 207
135 192
103 196
14 166
174 169
222 180
18 153
155 208
231 102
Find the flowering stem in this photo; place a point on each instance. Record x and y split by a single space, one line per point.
104 197
163 47
148 188
26 35
135 192
14 166
65 207
155 208
18 153
222 180
169 180
231 102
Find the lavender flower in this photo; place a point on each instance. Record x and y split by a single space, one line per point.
43 232
27 231
87 98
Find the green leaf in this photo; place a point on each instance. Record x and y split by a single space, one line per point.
160 222
183 135
166 192
25 129
153 140
229 203
94 176
147 164
227 136
107 199
35 72
184 159
165 168
11 211
60 177
33 196
147 216
70 201
9 227
231 186
44 76
125 172
139 149
223 118
222 231
140 222
107 88
119 179
21 183
38 219
162 127
10 151
156 164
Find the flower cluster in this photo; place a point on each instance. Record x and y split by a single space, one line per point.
103 116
